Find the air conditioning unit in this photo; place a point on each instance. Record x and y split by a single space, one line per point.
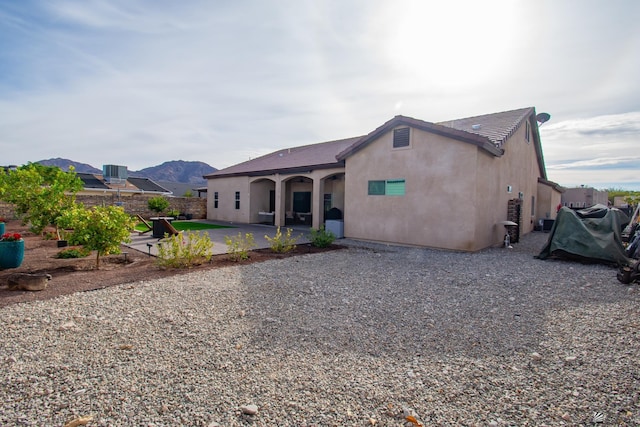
114 174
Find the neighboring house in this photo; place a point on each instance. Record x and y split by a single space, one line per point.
97 185
179 189
584 197
625 201
445 185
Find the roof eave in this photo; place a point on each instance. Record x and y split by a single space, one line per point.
282 171
533 121
552 184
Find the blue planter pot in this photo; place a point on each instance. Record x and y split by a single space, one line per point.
11 254
1 228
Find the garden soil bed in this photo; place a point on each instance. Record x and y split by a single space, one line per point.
80 274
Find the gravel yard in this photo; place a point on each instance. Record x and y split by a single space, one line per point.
355 337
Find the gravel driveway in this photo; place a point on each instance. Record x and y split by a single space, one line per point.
357 337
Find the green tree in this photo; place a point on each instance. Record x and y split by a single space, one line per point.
101 228
158 204
630 197
39 193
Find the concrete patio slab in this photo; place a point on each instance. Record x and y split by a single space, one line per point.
148 244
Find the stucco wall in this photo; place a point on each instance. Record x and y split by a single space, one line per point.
226 188
439 204
548 202
456 194
500 179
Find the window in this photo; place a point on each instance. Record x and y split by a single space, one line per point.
390 187
527 135
237 200
533 205
400 137
302 201
376 188
215 200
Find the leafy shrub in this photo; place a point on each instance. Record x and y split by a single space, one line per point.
73 253
322 238
100 228
238 247
183 251
158 204
282 244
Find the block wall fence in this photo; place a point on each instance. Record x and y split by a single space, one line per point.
133 205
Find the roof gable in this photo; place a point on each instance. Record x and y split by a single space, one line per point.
498 127
481 141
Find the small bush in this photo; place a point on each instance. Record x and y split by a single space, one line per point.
158 204
49 235
183 251
282 244
238 247
322 238
73 253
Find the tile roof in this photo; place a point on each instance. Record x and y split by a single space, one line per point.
293 159
488 132
498 127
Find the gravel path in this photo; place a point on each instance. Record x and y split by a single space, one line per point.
358 337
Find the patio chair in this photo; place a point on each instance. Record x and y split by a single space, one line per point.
146 224
170 229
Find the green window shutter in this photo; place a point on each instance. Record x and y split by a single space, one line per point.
395 187
376 188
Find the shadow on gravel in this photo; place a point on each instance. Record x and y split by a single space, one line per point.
406 302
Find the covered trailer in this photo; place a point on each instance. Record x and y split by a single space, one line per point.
589 235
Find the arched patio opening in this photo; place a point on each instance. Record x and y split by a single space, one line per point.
332 186
262 201
299 200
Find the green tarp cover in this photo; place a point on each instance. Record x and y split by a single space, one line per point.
591 234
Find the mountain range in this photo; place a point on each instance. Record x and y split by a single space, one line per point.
172 171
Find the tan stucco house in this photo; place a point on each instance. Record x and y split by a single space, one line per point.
584 197
445 185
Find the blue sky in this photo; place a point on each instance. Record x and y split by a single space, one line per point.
140 82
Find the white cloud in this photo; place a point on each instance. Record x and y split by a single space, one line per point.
140 82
